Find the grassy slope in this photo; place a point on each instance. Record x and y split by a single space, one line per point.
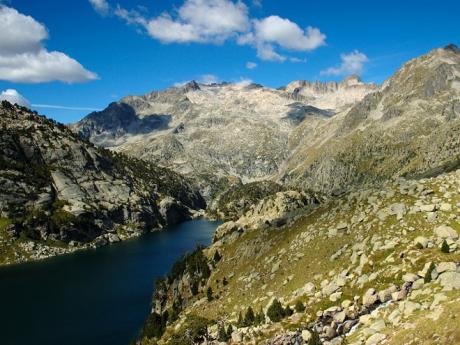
303 251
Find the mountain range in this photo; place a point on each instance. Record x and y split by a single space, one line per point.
340 203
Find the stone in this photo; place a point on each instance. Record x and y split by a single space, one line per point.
335 296
370 297
431 216
428 208
375 339
330 288
409 277
446 207
346 303
418 284
445 231
340 317
446 267
341 226
306 335
421 241
237 337
398 209
409 307
450 280
399 295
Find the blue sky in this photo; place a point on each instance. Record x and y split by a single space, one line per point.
124 47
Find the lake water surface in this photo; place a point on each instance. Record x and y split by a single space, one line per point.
94 297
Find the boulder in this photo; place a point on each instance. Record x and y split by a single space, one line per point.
450 280
445 231
421 242
370 297
446 267
306 335
428 208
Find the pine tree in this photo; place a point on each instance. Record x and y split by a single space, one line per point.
260 317
229 331
288 311
217 256
299 307
314 340
240 320
222 335
249 318
445 247
209 294
276 312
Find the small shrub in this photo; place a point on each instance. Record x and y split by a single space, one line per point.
314 340
288 311
427 278
276 312
260 317
445 247
209 294
249 318
239 323
223 334
299 307
217 256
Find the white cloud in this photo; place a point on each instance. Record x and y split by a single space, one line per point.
352 63
287 34
216 21
297 60
19 33
13 97
251 65
203 21
23 58
101 6
267 52
42 66
208 79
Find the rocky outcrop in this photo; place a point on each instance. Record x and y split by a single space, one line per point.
59 193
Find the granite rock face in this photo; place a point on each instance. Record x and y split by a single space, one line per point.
56 187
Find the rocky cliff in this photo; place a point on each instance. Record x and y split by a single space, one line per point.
59 193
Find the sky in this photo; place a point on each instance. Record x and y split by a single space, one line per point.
68 58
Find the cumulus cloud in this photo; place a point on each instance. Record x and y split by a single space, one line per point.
351 63
287 34
101 6
216 21
23 58
251 65
267 52
202 21
13 97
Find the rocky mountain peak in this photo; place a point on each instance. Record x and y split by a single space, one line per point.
352 80
191 86
453 48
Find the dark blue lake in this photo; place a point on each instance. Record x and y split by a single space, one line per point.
93 297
